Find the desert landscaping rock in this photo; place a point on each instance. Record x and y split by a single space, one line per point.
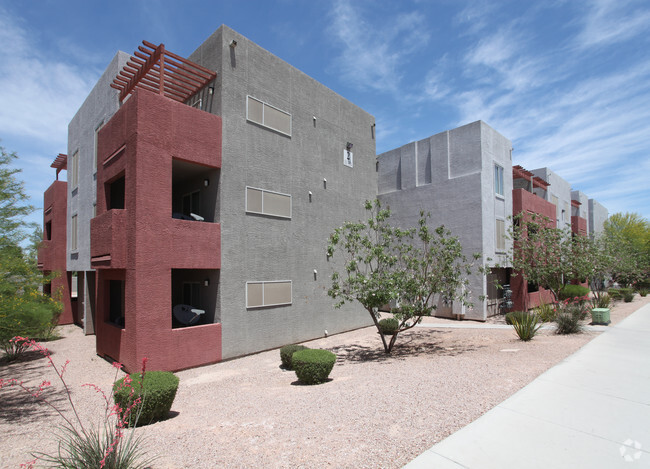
377 410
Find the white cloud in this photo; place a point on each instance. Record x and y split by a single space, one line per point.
371 56
39 93
613 21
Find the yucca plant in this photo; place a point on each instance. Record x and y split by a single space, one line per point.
526 326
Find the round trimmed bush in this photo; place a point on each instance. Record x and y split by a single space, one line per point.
520 316
287 352
157 390
313 366
628 297
388 326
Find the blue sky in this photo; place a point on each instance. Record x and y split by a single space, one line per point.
567 81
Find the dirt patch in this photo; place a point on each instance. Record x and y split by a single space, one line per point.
376 411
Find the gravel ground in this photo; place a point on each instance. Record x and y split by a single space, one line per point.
376 411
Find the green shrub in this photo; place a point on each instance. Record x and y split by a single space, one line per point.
546 312
388 326
526 326
573 291
628 297
30 315
287 352
313 366
568 317
515 314
157 390
602 301
643 292
615 294
624 290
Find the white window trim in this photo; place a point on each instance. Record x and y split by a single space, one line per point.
264 305
503 183
262 123
263 212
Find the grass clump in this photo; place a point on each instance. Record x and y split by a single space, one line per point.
512 315
602 301
628 297
157 392
313 366
286 353
526 326
546 312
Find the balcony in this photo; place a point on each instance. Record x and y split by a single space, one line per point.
108 240
195 245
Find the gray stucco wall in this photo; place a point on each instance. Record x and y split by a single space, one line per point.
598 214
560 188
99 106
583 210
263 248
457 189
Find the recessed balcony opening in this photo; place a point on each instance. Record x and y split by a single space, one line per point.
115 193
116 303
194 297
194 192
48 231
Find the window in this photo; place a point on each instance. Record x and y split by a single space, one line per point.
268 116
260 294
268 203
48 231
500 235
73 234
74 170
498 180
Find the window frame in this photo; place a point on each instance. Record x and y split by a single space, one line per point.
264 282
499 181
263 212
263 124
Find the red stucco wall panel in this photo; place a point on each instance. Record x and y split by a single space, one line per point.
153 131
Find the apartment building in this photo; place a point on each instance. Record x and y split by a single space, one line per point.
201 195
462 178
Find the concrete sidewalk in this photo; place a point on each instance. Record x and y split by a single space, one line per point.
590 411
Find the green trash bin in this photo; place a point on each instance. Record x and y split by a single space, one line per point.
600 316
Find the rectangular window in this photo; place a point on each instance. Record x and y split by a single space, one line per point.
73 234
260 294
501 235
268 203
74 170
264 114
498 180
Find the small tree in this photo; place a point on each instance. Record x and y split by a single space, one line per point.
413 267
547 256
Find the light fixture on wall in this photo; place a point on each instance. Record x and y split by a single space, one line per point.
324 183
210 90
233 43
206 182
348 146
315 274
206 282
310 194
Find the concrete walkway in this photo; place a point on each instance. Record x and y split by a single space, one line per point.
590 411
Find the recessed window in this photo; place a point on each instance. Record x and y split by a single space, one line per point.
268 203
73 237
48 231
500 235
264 114
275 293
498 180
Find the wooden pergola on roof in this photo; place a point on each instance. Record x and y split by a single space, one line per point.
60 163
155 69
519 172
